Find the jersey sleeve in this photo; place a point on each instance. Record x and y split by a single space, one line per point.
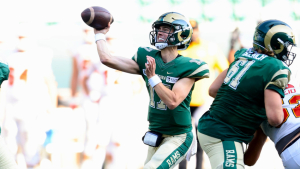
195 69
276 89
4 72
279 80
140 57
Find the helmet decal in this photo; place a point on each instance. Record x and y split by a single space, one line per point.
276 30
277 37
185 33
170 17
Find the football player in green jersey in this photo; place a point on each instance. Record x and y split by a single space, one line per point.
6 158
170 79
246 94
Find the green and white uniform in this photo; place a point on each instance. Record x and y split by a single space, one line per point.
238 109
161 118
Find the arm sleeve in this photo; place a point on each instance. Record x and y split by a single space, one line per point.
135 56
140 56
280 79
199 72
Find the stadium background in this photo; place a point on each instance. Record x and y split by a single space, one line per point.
57 25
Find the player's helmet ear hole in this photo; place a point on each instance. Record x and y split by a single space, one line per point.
276 46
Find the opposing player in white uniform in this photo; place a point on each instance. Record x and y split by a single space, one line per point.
90 74
286 136
30 94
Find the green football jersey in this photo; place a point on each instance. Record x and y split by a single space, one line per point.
161 118
238 109
4 72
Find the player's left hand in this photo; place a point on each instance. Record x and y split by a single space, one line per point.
150 67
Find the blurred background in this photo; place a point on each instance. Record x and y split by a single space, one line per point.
62 109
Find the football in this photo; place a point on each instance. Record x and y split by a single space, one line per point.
97 17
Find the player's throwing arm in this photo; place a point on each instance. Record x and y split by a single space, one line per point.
100 19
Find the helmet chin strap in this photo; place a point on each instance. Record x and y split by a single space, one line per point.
161 45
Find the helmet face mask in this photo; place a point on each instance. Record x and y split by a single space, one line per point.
277 37
292 52
154 39
181 35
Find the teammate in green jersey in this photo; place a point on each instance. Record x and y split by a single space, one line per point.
6 158
170 79
246 94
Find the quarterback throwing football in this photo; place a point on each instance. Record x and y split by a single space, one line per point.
170 79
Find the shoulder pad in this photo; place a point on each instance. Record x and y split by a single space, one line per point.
194 68
142 52
240 52
280 78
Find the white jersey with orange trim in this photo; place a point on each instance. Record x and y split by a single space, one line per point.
291 110
17 86
88 64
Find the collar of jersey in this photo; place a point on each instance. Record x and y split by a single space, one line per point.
162 65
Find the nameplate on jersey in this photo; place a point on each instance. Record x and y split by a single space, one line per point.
256 56
152 138
170 79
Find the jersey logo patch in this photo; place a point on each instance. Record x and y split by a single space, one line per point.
196 61
170 79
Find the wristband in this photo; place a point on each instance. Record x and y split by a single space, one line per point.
154 80
99 36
